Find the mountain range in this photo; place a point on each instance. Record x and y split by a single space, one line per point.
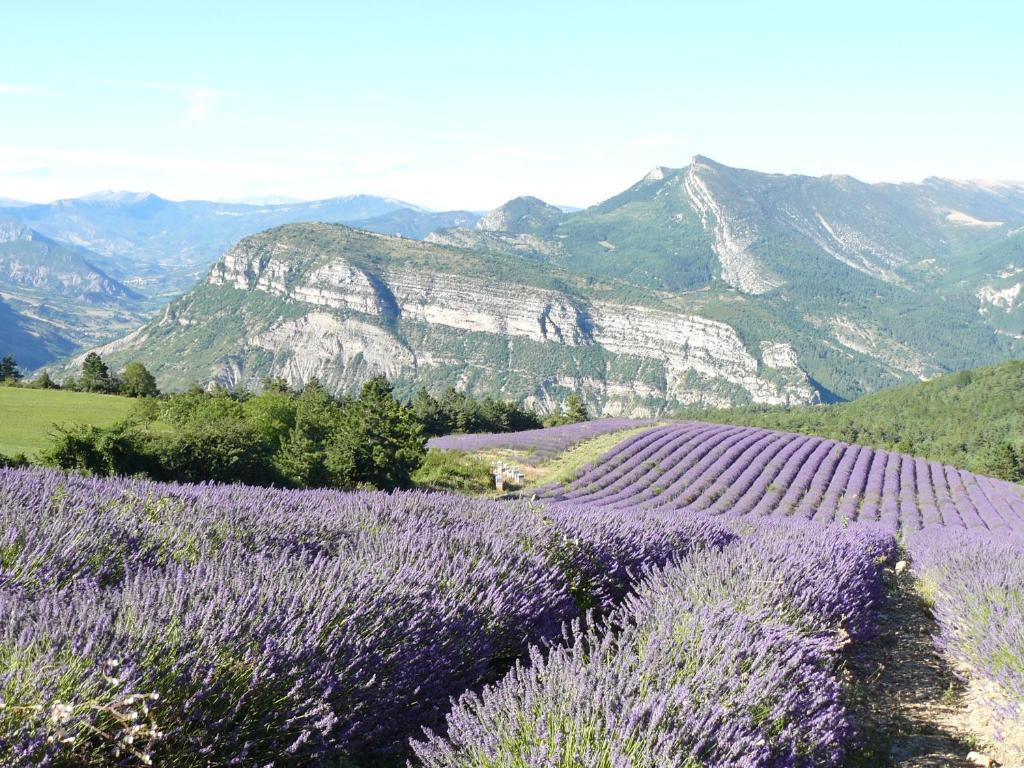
163 247
702 285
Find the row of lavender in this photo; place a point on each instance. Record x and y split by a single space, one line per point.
739 471
965 531
241 626
975 580
729 659
540 445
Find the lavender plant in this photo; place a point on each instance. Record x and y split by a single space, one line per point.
299 627
723 660
740 471
975 580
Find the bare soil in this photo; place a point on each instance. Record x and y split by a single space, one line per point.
911 706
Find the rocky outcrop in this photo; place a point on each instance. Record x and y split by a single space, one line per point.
347 320
733 236
521 215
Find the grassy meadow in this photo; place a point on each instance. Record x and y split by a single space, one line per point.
27 416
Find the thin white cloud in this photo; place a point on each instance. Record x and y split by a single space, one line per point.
23 90
658 140
198 101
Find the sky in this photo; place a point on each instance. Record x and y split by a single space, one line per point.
468 104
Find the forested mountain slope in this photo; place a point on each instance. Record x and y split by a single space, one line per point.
63 301
972 419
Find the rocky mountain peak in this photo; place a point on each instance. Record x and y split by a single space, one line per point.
702 161
521 215
118 197
657 173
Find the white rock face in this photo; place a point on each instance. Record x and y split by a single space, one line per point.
407 320
779 355
690 344
966 220
741 268
340 286
477 305
692 351
497 241
853 248
1005 298
323 346
873 343
10 231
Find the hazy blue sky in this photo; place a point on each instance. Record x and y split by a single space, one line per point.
454 104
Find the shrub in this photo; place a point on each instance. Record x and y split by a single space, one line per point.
454 471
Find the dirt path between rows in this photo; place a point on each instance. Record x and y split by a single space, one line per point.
911 705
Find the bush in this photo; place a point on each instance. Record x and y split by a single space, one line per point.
378 442
137 381
18 460
454 471
457 412
118 450
222 451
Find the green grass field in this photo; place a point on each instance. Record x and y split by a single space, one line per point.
27 416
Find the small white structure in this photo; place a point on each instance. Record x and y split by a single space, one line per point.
506 476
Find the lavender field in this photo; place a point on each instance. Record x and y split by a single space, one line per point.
539 445
688 600
742 471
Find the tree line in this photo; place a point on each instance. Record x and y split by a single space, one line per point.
134 381
305 437
972 419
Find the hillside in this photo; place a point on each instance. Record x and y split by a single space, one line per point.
966 419
856 286
60 295
163 247
32 342
342 305
920 277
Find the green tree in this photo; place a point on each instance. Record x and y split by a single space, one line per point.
457 412
43 381
137 381
575 409
1004 461
225 452
300 459
428 413
95 375
119 449
9 373
378 441
275 384
272 413
197 405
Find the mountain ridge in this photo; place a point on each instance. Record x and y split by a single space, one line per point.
60 296
848 286
340 304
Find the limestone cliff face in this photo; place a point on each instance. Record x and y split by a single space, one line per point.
734 236
424 321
